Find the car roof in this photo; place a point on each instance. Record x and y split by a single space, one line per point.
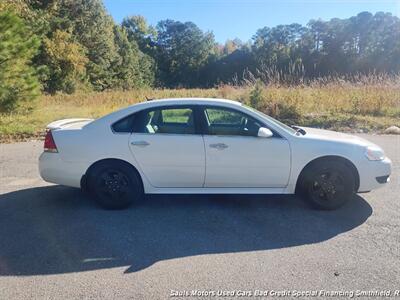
177 101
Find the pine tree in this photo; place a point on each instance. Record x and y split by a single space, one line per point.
18 81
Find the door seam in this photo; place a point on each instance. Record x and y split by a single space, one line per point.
205 161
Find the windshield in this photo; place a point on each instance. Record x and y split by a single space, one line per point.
272 120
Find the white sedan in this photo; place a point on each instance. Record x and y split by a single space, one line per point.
207 146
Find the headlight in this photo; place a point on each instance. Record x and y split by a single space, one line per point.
374 153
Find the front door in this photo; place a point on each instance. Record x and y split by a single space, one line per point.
237 157
167 147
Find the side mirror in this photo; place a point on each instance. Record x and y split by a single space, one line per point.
264 132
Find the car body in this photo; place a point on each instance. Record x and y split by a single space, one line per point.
196 146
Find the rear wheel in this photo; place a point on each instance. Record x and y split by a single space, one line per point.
328 185
115 185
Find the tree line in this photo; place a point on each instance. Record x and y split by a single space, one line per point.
68 45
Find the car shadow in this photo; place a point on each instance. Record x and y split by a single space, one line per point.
55 229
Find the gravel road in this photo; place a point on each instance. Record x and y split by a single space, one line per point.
56 244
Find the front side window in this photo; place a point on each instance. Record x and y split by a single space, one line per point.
166 120
272 120
223 121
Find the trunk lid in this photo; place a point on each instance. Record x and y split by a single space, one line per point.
73 123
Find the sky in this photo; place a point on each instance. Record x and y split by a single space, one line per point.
229 19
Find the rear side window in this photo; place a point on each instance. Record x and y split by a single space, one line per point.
223 117
169 120
176 116
124 125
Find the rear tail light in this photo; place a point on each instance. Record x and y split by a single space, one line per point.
49 144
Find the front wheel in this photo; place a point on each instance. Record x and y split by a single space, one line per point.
328 185
115 185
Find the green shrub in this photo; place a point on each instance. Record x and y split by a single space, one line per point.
256 95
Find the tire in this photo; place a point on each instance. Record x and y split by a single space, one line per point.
327 185
115 185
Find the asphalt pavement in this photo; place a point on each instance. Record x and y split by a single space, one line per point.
56 244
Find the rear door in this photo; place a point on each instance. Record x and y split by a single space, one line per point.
237 157
168 148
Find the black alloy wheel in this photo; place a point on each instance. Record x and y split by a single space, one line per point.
115 185
328 185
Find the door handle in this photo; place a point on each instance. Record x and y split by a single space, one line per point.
140 143
219 146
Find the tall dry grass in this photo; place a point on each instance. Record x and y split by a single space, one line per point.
358 102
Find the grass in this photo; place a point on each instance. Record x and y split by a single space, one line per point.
371 105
